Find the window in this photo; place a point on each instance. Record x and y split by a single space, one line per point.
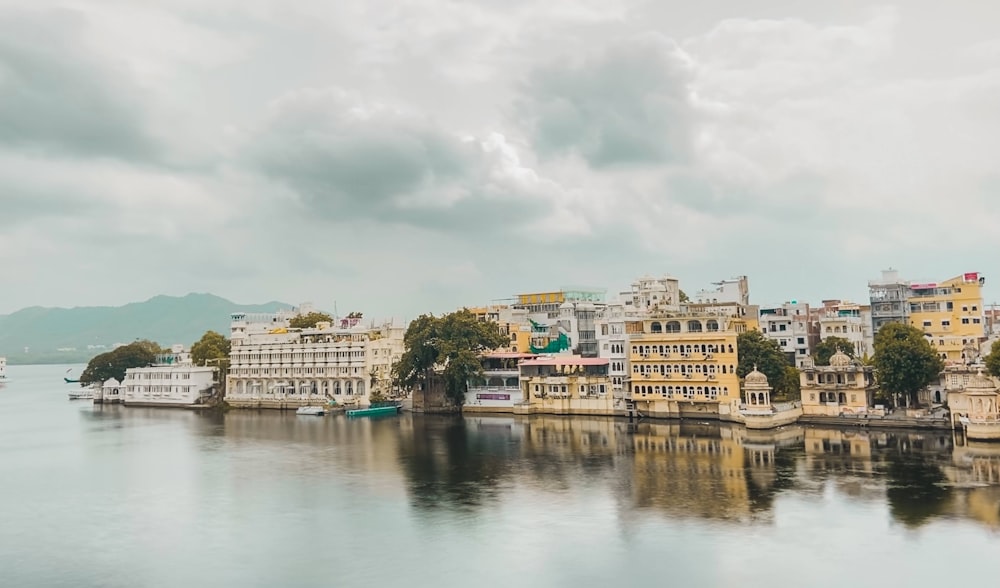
975 321
974 309
965 309
801 340
946 323
927 324
781 327
965 321
802 351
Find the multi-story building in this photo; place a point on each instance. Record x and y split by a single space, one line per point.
791 326
652 295
563 321
565 385
951 315
3 370
512 323
849 321
734 290
612 342
843 387
684 365
889 299
172 381
274 366
499 389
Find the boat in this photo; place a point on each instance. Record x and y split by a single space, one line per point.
374 411
70 380
311 410
82 395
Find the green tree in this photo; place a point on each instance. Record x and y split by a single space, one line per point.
829 346
754 349
112 364
791 385
308 321
993 359
904 360
682 297
212 346
450 345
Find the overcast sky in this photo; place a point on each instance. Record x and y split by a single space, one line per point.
397 157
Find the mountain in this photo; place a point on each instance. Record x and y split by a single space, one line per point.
71 335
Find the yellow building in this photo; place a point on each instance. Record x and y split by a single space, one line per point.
565 385
512 324
951 314
843 387
684 366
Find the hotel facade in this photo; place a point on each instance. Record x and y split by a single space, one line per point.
274 366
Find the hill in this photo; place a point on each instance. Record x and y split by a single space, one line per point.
70 335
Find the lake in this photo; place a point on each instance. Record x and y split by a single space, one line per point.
116 496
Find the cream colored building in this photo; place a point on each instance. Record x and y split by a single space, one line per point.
287 368
565 385
843 387
684 365
976 407
758 411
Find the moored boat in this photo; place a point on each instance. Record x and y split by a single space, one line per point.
311 410
374 410
85 394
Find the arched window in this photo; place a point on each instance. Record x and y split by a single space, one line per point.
656 328
673 327
694 326
712 325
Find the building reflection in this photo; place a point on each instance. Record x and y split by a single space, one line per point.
674 469
710 470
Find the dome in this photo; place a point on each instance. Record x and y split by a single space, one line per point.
755 379
840 359
980 383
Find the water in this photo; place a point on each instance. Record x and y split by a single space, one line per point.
118 496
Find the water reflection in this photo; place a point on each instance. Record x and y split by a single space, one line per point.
708 471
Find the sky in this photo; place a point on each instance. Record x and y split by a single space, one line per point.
406 157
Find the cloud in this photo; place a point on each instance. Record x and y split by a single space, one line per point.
351 160
57 97
626 103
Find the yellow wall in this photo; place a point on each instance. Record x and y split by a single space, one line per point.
849 388
542 298
660 369
949 335
562 394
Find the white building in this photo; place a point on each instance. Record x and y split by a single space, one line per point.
613 345
3 369
499 389
848 321
791 326
653 295
172 381
273 366
734 290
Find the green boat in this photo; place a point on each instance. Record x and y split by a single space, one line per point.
373 411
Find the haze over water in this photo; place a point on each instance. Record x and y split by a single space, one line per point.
114 496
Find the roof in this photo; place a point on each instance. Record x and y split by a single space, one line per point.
566 360
508 355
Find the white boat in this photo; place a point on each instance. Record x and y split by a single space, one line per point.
86 394
311 410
